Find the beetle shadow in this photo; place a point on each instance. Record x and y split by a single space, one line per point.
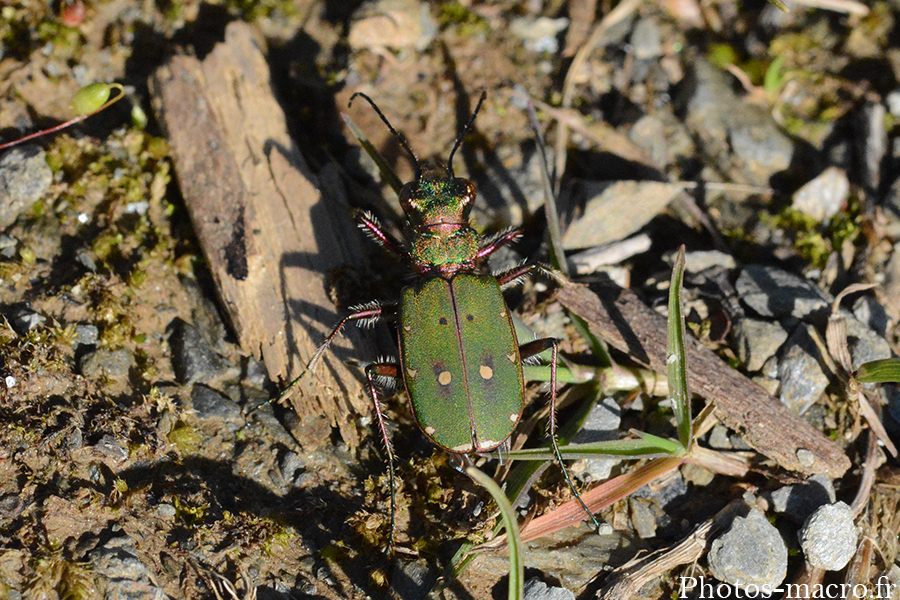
326 215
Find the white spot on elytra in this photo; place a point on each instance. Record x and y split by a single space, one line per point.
411 373
444 378
671 359
430 430
513 417
486 372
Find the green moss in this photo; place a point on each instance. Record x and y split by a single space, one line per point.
469 24
186 438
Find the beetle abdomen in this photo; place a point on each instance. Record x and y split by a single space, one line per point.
460 362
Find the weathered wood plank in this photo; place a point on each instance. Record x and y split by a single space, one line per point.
268 232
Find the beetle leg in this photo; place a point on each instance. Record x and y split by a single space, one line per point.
364 314
531 349
515 275
369 223
373 372
498 241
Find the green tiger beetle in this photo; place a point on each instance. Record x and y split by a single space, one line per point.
460 360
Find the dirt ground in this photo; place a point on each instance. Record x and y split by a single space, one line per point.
130 465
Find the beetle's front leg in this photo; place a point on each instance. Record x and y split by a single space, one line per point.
527 351
374 373
516 275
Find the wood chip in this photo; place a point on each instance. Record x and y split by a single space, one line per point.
268 234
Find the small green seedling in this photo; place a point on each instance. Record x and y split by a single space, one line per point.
88 101
460 360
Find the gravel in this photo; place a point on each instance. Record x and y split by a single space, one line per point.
750 553
828 537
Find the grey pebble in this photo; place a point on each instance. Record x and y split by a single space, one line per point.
799 501
773 292
86 334
757 341
211 404
802 377
823 197
24 320
411 579
601 424
111 363
535 589
127 578
24 178
111 447
193 358
750 553
829 536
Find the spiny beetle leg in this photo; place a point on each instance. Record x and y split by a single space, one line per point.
373 372
531 349
497 242
369 223
365 314
517 274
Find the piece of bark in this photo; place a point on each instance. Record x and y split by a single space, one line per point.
620 318
268 233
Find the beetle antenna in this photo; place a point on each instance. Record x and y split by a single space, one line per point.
399 136
462 135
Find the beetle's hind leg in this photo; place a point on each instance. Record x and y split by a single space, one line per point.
375 374
365 315
532 349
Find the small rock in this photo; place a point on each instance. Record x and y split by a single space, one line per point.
757 341
643 518
741 138
864 344
393 24
111 363
86 334
292 467
871 313
210 404
803 380
535 589
664 489
8 246
24 178
823 197
799 501
646 43
24 320
773 292
700 260
411 579
829 536
117 560
193 358
750 553
601 424
540 34
634 203
111 447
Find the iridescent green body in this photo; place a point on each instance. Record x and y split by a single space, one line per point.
460 362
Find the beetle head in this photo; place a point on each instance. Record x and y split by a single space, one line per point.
436 199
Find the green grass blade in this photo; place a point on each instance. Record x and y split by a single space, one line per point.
387 173
646 446
516 549
880 371
675 358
